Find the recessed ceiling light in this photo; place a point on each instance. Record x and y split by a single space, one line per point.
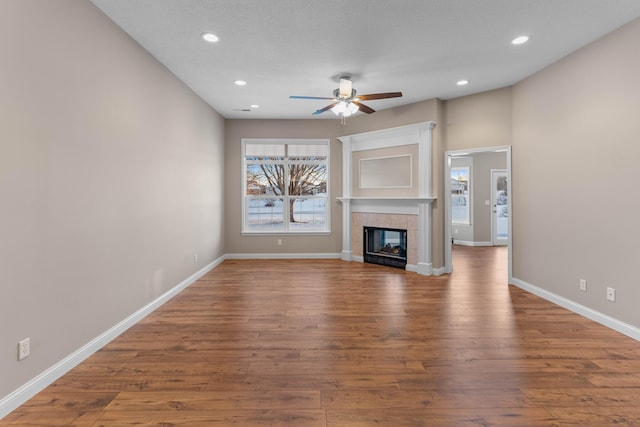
240 83
210 37
255 106
520 40
462 82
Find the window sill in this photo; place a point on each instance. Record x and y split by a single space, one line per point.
286 233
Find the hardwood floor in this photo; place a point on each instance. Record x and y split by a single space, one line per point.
332 344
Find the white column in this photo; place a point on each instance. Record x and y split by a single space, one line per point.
347 251
424 161
424 207
424 238
346 201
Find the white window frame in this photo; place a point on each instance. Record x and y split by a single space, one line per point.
469 209
286 230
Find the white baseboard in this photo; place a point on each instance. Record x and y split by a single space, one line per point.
603 319
19 396
466 243
437 271
285 256
353 258
346 255
424 269
409 267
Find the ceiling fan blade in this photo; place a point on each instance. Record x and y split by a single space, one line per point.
308 97
328 107
364 108
379 96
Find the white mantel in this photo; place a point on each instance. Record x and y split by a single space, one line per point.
420 205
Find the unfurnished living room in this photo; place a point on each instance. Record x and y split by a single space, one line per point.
319 213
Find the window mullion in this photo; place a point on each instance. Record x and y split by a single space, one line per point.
287 207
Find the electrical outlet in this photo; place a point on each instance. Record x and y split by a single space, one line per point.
195 258
583 285
611 294
24 348
279 242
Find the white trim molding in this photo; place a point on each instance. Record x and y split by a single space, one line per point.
603 319
284 256
467 243
19 396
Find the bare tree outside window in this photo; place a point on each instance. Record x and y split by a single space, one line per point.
295 180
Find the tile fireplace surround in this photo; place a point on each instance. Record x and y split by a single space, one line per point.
402 222
401 206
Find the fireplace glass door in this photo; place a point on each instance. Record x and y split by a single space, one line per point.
386 246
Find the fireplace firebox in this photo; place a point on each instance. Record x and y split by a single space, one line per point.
385 246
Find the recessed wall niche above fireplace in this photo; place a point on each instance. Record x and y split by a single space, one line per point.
404 201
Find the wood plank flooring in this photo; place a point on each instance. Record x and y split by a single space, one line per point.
326 343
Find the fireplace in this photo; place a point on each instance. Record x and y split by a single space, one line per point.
385 246
399 204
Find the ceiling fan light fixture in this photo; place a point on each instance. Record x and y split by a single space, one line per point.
339 108
346 87
345 108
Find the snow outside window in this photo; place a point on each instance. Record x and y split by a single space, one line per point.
460 211
285 186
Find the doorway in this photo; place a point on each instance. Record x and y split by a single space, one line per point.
486 204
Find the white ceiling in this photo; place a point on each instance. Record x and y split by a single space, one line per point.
301 47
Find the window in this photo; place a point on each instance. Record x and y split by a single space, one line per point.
460 211
285 186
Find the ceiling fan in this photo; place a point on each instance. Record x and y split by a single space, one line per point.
345 102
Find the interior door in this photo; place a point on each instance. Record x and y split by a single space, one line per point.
500 208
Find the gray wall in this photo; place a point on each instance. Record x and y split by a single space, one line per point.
576 157
110 180
479 121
